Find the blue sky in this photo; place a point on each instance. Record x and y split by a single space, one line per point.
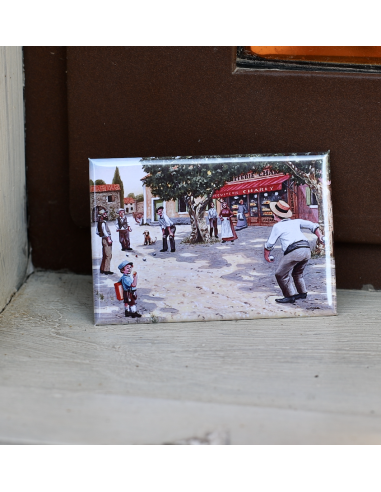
130 170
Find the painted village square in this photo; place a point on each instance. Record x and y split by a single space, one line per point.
189 240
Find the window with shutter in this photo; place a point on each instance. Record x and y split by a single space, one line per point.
310 197
181 205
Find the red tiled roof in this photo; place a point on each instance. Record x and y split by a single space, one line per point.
98 188
129 200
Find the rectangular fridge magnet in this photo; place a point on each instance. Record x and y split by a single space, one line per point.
211 238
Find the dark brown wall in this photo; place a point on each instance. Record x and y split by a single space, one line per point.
57 242
127 102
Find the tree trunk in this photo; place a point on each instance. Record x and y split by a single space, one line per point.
202 223
319 249
200 232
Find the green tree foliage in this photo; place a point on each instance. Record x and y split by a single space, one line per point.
194 182
91 182
138 198
173 178
99 182
118 180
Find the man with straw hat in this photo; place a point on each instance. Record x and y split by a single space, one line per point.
296 251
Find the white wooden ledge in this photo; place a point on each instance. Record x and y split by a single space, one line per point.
305 380
14 250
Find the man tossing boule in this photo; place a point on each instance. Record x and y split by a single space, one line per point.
168 229
296 251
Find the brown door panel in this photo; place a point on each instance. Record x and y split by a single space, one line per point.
57 242
186 101
115 102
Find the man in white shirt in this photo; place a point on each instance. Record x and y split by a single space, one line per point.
103 231
212 217
296 251
168 229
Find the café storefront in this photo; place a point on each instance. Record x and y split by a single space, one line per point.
257 194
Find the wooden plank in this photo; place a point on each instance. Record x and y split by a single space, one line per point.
303 380
54 417
13 221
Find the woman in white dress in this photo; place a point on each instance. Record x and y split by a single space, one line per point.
227 228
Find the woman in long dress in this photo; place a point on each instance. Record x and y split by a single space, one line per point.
241 219
227 227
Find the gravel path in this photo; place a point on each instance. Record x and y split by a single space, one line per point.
204 282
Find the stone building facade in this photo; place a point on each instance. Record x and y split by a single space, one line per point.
106 196
130 205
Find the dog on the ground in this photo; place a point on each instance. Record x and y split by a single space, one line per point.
147 239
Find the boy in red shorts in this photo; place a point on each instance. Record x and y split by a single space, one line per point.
129 283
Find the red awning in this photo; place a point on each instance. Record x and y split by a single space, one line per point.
259 185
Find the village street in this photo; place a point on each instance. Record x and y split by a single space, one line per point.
203 282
